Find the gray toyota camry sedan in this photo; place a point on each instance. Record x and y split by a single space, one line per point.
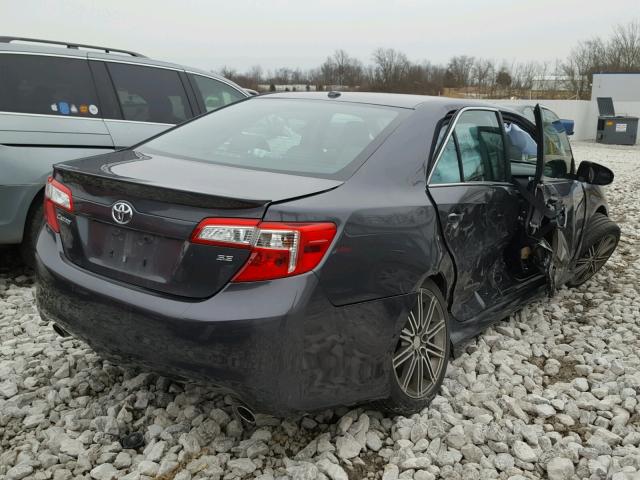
301 251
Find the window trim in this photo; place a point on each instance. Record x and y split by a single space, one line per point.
450 132
46 115
480 183
456 145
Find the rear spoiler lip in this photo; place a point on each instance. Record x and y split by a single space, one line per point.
64 172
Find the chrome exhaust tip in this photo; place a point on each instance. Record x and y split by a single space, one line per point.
61 331
244 414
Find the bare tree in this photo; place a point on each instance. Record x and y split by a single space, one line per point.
586 58
459 70
483 73
503 79
624 47
389 69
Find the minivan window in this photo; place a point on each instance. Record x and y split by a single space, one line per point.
215 94
317 138
47 85
148 94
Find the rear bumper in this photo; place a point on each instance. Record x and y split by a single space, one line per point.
279 345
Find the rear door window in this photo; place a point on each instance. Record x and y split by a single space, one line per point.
481 144
214 94
475 151
448 168
149 94
47 85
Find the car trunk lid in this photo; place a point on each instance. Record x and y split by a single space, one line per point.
133 216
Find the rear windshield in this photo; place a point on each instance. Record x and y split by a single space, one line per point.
306 137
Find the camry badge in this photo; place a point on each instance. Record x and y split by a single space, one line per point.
122 212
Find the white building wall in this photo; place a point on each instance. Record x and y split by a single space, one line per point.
584 113
622 87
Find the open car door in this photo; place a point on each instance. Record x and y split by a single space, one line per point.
556 201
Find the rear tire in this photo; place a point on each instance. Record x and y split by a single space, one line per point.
35 220
600 241
420 357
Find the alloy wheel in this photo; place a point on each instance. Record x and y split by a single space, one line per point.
594 258
420 354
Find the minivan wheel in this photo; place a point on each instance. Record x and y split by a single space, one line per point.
600 241
419 360
35 220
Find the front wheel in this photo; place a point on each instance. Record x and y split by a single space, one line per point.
419 360
600 241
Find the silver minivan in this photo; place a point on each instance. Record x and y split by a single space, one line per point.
60 101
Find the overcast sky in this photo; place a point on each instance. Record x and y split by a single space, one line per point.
240 33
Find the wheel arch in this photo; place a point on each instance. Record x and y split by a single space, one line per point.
37 199
441 282
439 279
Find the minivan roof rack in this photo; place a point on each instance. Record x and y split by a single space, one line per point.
74 46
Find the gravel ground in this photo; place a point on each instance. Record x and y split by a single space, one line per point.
551 393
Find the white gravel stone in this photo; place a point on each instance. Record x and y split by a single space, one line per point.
8 389
391 472
148 468
373 442
71 447
347 446
560 469
544 410
19 471
524 452
155 453
503 461
423 475
243 466
106 471
332 470
123 460
581 384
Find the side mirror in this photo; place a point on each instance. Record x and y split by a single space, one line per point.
594 173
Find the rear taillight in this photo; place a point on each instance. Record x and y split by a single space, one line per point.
56 195
277 249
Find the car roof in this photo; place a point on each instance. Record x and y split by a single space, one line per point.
399 100
61 50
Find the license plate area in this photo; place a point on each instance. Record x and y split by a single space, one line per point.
136 253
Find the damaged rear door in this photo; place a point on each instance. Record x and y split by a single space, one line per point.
478 209
557 216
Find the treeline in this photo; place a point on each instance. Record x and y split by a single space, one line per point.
391 71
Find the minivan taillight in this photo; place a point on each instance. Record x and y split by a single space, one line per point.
56 195
277 249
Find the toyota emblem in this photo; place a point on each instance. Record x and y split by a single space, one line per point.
122 212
